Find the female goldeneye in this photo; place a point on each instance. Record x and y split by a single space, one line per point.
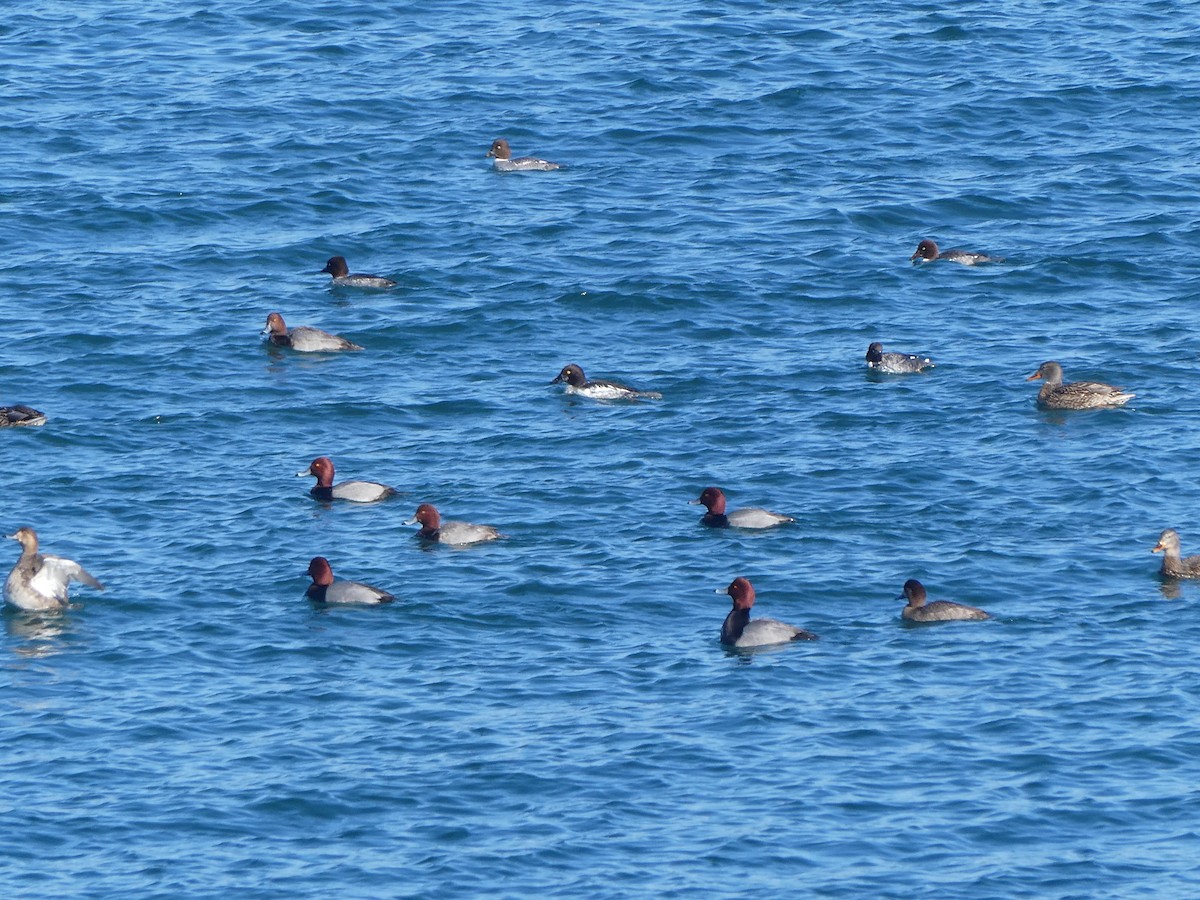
917 610
38 582
739 631
304 338
325 589
19 416
1172 565
713 499
337 268
927 251
456 533
577 383
895 363
354 491
505 163
1075 394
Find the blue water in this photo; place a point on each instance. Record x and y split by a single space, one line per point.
552 715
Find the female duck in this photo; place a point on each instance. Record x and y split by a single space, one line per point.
340 272
895 363
354 491
927 251
504 161
713 499
1172 565
1075 394
303 338
740 631
325 589
917 610
18 416
599 389
458 534
38 582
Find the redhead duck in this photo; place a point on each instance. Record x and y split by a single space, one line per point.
740 631
917 610
340 272
325 589
38 582
1172 565
504 161
1075 394
895 363
572 376
303 338
354 491
713 499
456 533
927 251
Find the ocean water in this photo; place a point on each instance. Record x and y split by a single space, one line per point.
552 714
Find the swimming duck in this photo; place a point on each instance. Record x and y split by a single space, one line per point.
713 499
303 338
577 383
917 610
1075 394
340 272
456 533
38 582
354 491
927 251
505 163
739 631
895 363
1172 565
325 589
18 416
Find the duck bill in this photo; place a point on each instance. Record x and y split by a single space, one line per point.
1035 376
1157 548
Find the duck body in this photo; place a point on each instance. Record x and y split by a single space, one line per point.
20 417
326 589
927 251
1054 394
739 630
504 161
577 383
918 610
895 363
303 338
38 582
713 499
339 271
458 534
352 491
1173 565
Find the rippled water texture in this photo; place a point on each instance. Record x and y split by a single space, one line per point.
551 714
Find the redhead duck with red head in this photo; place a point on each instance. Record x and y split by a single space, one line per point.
740 630
458 534
354 491
326 589
713 499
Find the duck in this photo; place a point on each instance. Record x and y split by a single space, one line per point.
354 491
917 610
325 589
504 162
1075 394
304 338
927 251
577 383
895 363
740 631
20 416
713 499
38 582
340 272
1172 565
458 534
